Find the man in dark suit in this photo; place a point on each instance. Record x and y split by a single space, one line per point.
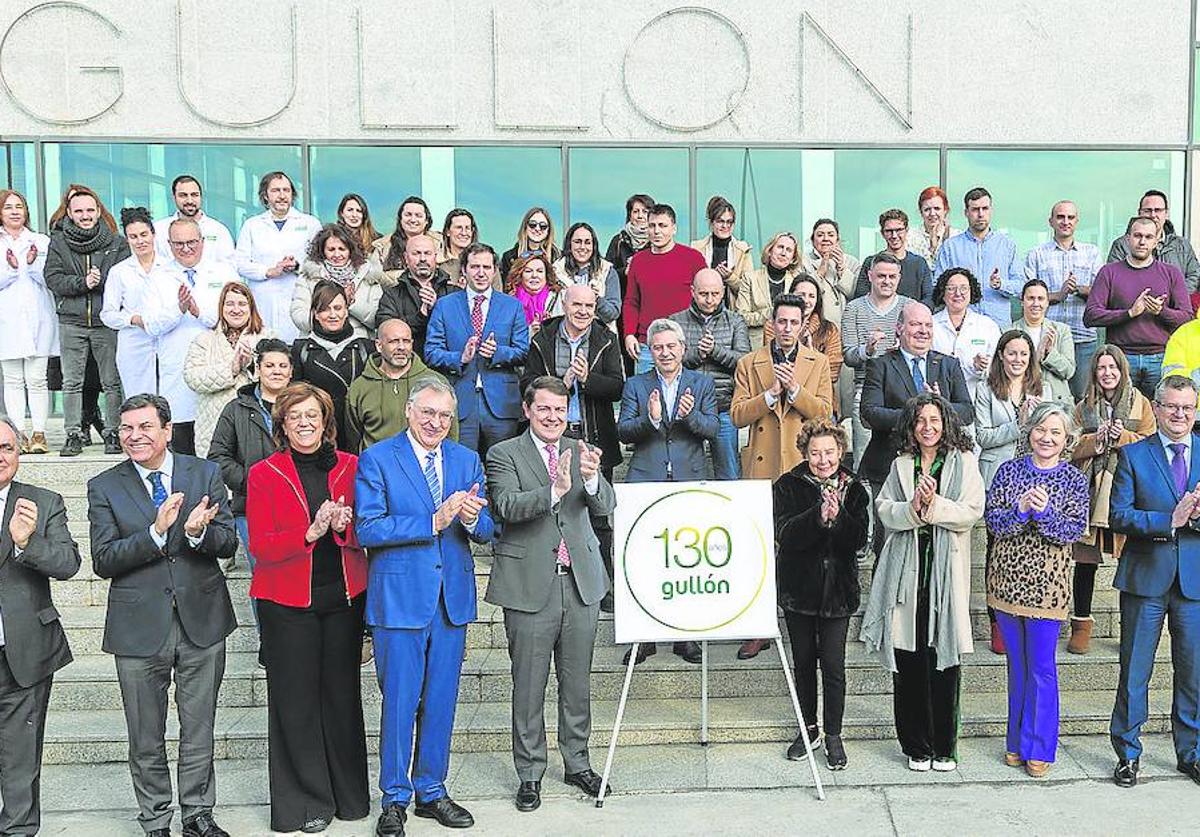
1155 503
895 377
419 503
667 414
478 339
549 577
35 546
160 523
586 356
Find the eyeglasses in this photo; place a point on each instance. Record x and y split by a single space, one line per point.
723 222
895 231
295 416
1179 409
429 414
190 244
538 225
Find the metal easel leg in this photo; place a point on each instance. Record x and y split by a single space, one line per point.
612 741
791 682
704 693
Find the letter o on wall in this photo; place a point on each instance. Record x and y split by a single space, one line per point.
665 83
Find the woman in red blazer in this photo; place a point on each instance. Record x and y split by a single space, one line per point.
310 582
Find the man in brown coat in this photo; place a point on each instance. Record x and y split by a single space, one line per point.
775 389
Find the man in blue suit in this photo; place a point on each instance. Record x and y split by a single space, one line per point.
667 414
1156 505
419 500
478 339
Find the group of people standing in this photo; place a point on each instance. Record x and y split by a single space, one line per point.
358 410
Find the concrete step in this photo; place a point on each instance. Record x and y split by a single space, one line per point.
90 682
95 736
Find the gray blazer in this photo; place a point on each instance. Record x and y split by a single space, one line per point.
149 583
996 431
35 644
529 530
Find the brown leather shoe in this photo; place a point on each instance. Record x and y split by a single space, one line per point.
751 648
1037 769
1013 760
38 444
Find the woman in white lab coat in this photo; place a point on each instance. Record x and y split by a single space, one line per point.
128 300
271 247
28 322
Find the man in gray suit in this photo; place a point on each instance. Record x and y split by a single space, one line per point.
160 522
35 546
549 576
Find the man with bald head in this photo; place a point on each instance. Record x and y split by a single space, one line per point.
580 351
377 398
716 339
420 286
898 375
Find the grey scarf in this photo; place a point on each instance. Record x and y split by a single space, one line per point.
896 579
86 241
639 238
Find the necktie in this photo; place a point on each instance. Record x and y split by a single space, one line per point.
190 273
918 378
1179 467
477 315
431 478
158 491
564 557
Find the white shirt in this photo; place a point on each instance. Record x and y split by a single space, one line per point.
669 391
421 453
130 290
591 485
167 468
218 243
977 335
1186 441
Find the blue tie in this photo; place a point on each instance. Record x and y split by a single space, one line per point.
918 378
431 478
158 492
190 273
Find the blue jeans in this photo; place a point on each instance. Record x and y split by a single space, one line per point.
1084 352
1145 372
644 362
243 531
724 450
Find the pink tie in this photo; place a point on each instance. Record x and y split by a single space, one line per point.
564 557
477 315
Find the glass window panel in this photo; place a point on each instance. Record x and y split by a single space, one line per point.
498 185
1105 185
1196 94
382 175
140 174
602 179
789 189
20 173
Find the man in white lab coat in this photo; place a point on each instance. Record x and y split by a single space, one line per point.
271 247
218 243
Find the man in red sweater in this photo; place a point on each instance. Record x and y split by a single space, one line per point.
659 283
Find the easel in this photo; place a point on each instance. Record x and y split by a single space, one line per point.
787 673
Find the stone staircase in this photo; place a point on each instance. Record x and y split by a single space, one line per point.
748 700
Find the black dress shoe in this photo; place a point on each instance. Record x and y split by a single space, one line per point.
446 811
203 825
751 648
1126 774
159 832
112 445
529 796
391 821
1192 770
314 826
690 651
645 649
588 781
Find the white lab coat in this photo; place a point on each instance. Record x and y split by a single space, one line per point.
979 335
175 330
28 321
129 290
218 243
260 245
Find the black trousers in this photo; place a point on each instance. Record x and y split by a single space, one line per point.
22 733
817 639
183 437
316 744
925 700
1084 587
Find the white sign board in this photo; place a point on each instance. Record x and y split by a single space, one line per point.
694 560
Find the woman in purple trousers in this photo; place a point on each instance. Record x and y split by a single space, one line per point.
1037 507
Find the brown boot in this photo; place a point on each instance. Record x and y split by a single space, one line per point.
1081 634
38 444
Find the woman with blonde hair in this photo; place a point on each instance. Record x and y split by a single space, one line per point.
536 235
780 261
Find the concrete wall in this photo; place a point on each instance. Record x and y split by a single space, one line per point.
844 71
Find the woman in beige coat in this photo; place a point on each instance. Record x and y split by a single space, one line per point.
218 361
918 616
729 256
780 265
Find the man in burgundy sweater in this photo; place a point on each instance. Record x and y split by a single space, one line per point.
1140 300
659 283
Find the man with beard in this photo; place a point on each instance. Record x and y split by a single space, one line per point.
218 243
420 286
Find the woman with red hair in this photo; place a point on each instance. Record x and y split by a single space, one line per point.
925 239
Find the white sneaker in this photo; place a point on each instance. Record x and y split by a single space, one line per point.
919 765
943 765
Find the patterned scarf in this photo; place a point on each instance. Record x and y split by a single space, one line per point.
639 238
343 275
1092 415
